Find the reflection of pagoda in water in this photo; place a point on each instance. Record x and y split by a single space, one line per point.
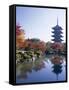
57 69
57 65
57 31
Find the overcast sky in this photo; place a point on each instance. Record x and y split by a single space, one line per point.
38 22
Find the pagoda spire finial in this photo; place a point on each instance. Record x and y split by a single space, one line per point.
57 20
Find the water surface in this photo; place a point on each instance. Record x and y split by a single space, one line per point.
46 69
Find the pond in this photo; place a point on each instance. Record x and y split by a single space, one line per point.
49 68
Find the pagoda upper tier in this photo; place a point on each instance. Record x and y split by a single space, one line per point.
57 33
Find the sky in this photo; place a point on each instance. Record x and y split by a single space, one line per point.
38 22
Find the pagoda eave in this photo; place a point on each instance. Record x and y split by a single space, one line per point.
58 36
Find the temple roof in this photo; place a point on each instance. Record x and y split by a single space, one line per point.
57 36
57 40
57 27
57 31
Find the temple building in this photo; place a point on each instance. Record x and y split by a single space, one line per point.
57 33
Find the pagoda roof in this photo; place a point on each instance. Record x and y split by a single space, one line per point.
57 40
57 31
57 27
57 36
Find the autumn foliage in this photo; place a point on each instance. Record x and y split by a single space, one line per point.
23 43
57 46
36 44
19 36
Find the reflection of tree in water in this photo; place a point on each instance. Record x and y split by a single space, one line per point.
56 59
25 68
57 65
39 64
